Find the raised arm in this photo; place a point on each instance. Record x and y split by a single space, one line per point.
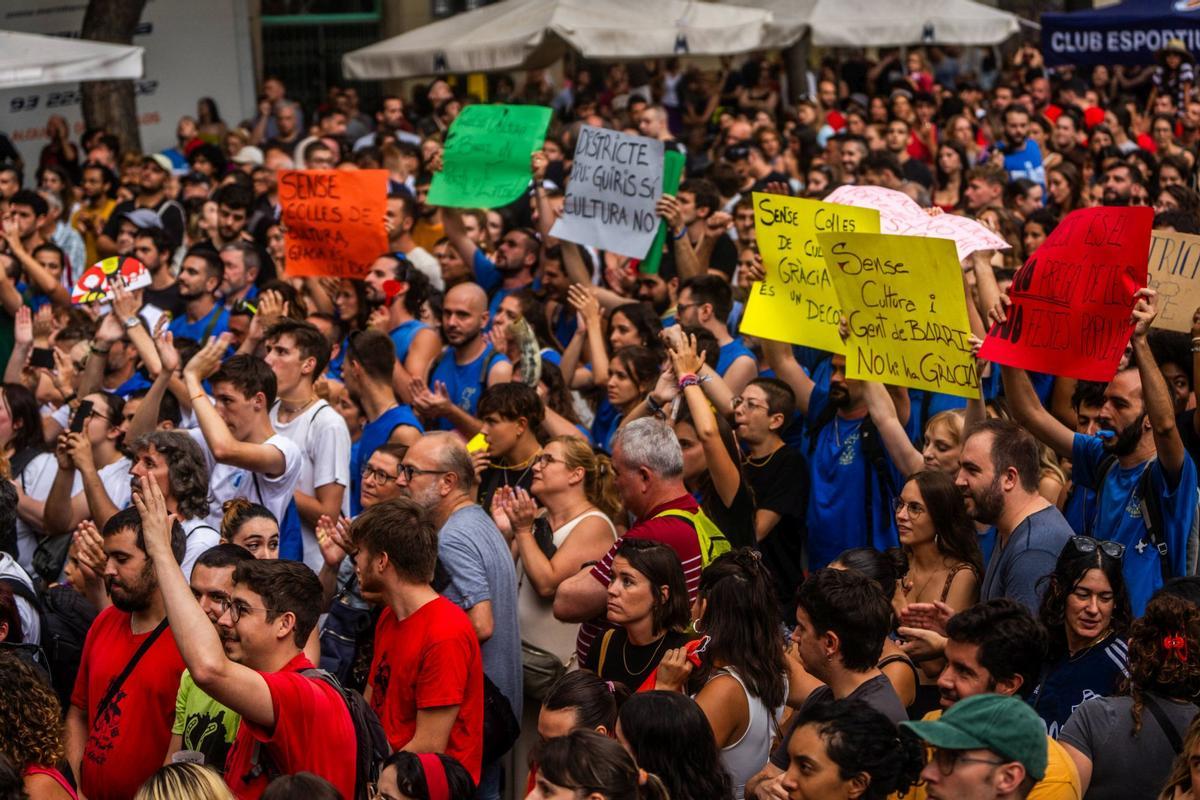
1155 394
1029 412
725 472
907 458
781 359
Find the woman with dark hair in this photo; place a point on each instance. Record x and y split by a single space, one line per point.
1177 197
31 468
251 526
207 159
741 683
848 749
950 175
631 374
634 324
423 776
651 727
31 730
1036 228
939 543
1086 612
209 124
648 602
562 419
584 764
351 305
1122 745
1184 782
1064 187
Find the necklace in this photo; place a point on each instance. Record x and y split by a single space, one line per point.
629 670
1083 650
293 412
766 460
528 466
837 433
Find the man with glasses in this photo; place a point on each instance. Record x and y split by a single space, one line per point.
706 301
439 475
93 473
778 476
291 722
986 747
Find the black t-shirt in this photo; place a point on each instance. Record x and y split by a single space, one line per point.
627 663
916 171
781 485
167 299
170 213
724 256
494 477
736 521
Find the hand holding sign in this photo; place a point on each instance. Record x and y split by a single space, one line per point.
94 283
486 159
333 220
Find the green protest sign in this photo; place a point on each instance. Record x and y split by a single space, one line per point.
485 163
673 163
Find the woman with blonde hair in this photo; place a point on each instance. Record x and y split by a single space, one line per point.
31 730
184 781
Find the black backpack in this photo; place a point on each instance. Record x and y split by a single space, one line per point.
371 744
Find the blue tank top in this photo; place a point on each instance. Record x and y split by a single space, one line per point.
464 382
729 353
402 337
375 435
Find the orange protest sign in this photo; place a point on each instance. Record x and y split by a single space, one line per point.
333 220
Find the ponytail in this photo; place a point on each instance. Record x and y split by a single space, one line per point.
598 470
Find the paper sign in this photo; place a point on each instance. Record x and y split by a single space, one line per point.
485 163
93 283
673 164
333 220
616 181
1071 302
899 213
1174 270
797 302
903 299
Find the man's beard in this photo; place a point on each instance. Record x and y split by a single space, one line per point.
136 598
1127 439
1113 199
839 397
990 504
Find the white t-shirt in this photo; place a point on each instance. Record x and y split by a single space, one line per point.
31 625
200 537
35 480
226 482
324 441
115 479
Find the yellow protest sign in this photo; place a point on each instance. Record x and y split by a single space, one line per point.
797 303
907 312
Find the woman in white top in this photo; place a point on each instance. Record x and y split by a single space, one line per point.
741 681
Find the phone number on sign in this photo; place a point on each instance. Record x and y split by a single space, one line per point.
64 99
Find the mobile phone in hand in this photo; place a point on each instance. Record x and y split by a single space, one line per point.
81 416
42 357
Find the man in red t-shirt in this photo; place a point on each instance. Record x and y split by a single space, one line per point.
648 473
426 680
115 743
290 722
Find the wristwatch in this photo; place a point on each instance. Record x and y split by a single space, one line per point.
132 322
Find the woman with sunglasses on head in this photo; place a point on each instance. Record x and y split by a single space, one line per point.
1085 611
1123 746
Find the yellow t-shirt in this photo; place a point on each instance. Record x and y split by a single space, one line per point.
101 213
1061 781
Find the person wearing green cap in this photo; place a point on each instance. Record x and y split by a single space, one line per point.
986 747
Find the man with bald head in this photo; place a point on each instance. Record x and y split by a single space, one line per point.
466 367
437 473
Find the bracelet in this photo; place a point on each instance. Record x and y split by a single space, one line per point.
97 350
653 405
198 396
688 380
682 233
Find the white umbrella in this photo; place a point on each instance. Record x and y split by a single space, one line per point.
27 59
531 33
887 23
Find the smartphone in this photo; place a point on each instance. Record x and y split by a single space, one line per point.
42 357
81 416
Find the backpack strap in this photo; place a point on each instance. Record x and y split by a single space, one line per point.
604 642
115 686
212 323
1150 505
1160 716
21 590
1106 466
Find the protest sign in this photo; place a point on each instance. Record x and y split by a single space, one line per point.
616 180
333 220
1174 271
797 302
673 163
93 283
903 299
899 213
485 163
1072 300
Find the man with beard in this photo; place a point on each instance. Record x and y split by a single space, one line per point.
851 478
439 475
1138 435
242 263
467 366
660 289
426 677
200 275
842 621
395 283
95 207
1118 185
202 725
1018 154
392 126
150 246
996 647
513 265
998 477
400 219
117 726
233 209
152 195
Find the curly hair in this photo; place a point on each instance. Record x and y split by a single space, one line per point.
31 730
1154 668
861 740
187 470
1071 568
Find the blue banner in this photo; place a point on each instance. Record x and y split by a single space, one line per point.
1128 33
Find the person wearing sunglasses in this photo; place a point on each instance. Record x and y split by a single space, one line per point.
1086 613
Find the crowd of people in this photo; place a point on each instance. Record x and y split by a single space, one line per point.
280 536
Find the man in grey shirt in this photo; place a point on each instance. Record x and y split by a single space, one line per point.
438 473
999 481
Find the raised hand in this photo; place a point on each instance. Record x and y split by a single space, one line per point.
537 165
521 509
125 303
208 359
1145 309
584 300
45 326
89 547
669 209
684 358
23 327
167 354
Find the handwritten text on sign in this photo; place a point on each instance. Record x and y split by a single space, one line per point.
333 220
797 302
904 301
616 180
1174 269
1071 302
486 160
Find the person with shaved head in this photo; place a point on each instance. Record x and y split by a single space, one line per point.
468 365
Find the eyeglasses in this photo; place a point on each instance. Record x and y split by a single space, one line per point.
740 401
915 510
947 760
408 470
377 475
237 609
545 460
1086 544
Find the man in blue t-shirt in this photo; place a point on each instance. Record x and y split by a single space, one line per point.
200 276
510 268
465 368
1022 158
706 301
1087 401
1138 430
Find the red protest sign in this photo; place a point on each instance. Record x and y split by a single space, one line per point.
333 220
1072 300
